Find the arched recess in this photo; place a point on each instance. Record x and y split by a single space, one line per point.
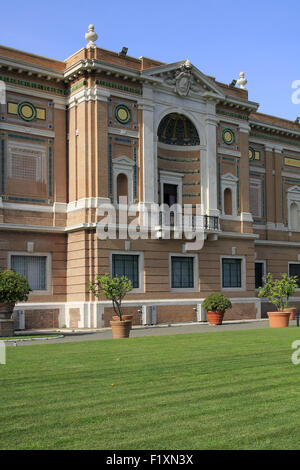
178 160
227 201
294 216
122 186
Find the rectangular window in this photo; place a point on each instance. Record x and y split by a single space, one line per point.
294 270
126 265
33 268
182 272
231 273
259 274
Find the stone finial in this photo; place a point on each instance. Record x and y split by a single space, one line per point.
242 81
91 36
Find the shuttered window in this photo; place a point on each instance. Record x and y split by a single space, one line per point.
33 268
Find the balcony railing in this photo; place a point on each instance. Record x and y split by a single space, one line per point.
192 221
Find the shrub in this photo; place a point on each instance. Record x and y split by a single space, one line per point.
216 301
278 291
114 289
13 287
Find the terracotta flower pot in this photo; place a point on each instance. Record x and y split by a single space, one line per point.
292 311
6 310
279 319
120 329
124 317
215 317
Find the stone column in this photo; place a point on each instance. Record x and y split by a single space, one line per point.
278 187
209 166
270 187
246 215
149 153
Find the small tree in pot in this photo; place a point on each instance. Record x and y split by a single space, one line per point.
215 305
13 288
278 292
114 289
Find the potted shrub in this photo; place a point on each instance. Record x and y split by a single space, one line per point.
13 288
215 305
114 289
278 292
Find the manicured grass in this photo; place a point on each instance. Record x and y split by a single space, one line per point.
222 390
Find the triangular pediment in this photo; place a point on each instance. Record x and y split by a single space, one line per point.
184 77
294 189
229 177
123 160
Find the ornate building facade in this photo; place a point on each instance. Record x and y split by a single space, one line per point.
100 125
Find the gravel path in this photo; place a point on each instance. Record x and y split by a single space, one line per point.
151 331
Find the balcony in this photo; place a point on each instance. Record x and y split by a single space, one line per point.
189 223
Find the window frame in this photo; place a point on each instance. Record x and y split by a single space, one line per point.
243 273
195 273
293 262
48 273
264 263
141 274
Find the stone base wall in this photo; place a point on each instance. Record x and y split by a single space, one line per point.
41 319
246 311
176 314
109 313
6 328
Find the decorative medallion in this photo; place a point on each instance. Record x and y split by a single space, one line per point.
251 154
122 114
26 111
228 136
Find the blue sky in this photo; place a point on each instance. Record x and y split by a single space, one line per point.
221 38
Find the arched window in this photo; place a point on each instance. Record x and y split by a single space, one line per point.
228 201
294 218
122 186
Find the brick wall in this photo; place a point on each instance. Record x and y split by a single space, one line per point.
41 319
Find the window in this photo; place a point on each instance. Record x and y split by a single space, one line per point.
33 268
122 186
126 265
294 270
182 270
259 274
231 273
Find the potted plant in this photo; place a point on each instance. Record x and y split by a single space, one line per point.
215 305
114 289
278 292
13 288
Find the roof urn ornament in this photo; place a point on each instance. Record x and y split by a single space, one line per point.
242 81
91 36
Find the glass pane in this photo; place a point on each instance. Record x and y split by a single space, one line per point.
294 270
259 272
126 265
33 268
182 272
231 273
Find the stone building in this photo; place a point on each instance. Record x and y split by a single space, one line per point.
80 133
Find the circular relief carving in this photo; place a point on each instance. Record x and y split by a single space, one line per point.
123 114
228 136
26 111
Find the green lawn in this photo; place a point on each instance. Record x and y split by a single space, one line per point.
222 390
